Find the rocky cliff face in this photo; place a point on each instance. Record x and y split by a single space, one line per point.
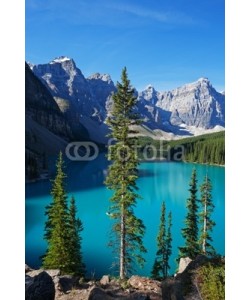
64 79
47 130
88 98
153 116
197 105
42 108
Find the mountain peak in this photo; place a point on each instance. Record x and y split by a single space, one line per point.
30 65
150 87
203 79
61 59
103 77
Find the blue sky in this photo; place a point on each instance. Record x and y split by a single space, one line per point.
161 42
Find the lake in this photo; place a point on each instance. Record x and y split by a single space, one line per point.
159 181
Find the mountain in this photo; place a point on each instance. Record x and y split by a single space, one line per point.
192 109
40 107
195 104
87 99
46 129
44 120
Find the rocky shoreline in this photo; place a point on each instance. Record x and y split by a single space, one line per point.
52 285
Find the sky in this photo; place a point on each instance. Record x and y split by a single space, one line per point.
161 42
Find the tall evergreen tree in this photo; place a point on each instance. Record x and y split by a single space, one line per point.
56 232
123 172
169 241
206 221
59 227
75 227
164 247
191 230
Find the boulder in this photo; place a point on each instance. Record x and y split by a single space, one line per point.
53 272
41 288
184 262
28 280
64 283
138 296
184 284
98 294
105 280
84 285
27 268
145 284
34 273
172 289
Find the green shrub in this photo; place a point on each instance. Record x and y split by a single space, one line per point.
211 282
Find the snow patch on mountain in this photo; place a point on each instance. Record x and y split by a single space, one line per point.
60 59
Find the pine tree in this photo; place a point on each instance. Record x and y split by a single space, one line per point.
190 232
206 222
156 270
164 247
169 241
60 253
56 232
75 227
123 173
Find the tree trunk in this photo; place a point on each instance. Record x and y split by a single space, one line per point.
164 269
122 245
204 228
122 241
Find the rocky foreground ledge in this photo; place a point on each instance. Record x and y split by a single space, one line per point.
185 285
50 284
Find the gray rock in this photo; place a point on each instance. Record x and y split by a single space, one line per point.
183 263
42 288
105 280
28 280
172 289
28 268
34 273
184 285
65 283
145 284
98 294
138 296
53 272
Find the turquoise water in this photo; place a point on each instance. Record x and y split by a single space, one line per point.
158 181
